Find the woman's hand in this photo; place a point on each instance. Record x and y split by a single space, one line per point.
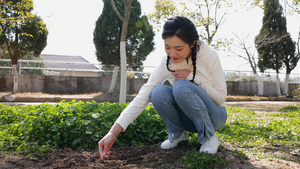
105 144
108 140
181 74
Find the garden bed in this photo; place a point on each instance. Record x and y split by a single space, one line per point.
270 154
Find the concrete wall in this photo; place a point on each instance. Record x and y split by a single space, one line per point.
66 84
78 85
250 88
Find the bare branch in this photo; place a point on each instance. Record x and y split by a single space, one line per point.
291 6
250 57
116 11
265 40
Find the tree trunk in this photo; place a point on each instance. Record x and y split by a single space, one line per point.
123 84
125 20
286 84
278 84
14 62
260 85
15 77
114 80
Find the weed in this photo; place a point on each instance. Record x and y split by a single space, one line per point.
196 160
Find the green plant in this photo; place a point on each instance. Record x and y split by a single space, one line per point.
196 160
147 128
290 108
79 125
249 130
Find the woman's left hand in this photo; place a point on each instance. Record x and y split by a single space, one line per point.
181 74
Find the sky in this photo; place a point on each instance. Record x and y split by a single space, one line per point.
71 24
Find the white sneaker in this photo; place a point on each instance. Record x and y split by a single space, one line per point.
167 144
210 145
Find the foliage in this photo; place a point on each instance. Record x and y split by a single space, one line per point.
14 12
107 35
273 43
79 125
21 32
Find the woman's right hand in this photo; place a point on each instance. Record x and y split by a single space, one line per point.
108 140
105 144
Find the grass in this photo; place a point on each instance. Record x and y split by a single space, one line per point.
229 97
265 134
251 135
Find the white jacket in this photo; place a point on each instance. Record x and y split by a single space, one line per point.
209 76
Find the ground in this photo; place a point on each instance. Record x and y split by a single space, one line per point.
151 156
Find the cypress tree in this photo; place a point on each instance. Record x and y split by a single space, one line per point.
108 31
273 43
268 42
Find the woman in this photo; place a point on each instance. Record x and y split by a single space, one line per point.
195 103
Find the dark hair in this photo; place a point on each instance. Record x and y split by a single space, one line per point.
184 29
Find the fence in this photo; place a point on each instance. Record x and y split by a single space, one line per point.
69 71
78 85
230 75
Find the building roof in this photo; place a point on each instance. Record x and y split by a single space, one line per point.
67 59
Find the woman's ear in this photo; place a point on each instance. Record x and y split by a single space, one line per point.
193 44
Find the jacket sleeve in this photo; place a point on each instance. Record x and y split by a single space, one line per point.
139 103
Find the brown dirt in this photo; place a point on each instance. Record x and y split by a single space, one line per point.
146 157
152 157
121 158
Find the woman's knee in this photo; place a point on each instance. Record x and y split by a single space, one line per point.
181 87
159 92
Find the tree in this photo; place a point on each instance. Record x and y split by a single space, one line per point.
270 42
293 4
252 60
290 59
21 33
107 33
205 14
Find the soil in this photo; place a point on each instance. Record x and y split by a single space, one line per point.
152 156
121 158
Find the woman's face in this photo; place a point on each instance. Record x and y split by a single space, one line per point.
177 49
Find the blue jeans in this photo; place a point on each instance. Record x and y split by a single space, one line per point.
188 107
